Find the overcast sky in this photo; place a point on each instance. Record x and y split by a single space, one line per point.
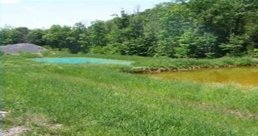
44 13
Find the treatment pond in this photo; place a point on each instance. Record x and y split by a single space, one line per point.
247 76
81 60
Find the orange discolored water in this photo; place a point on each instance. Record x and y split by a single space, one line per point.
242 75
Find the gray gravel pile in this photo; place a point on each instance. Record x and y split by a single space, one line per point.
22 48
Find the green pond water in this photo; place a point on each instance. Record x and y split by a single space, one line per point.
247 76
81 60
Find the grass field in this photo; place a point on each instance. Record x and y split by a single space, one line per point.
51 99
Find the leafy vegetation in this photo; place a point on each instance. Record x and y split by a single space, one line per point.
87 99
182 29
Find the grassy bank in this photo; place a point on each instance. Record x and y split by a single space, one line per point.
100 100
160 64
167 64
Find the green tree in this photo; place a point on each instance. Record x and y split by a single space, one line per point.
58 37
78 38
14 35
196 45
235 46
36 37
98 33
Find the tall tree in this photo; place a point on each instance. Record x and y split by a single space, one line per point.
36 37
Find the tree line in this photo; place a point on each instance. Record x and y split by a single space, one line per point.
182 29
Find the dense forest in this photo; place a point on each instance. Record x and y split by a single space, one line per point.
182 29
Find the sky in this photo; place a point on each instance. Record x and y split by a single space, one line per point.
44 13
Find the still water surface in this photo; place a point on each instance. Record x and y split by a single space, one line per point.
81 60
244 75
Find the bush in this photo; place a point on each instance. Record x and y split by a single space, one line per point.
234 47
109 49
255 53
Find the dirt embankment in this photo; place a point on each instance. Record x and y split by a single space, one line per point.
22 48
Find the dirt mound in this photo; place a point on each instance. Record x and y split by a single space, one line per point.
22 48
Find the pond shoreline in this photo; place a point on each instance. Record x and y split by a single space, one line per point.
150 70
244 76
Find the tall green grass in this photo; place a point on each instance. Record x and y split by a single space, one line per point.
101 100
